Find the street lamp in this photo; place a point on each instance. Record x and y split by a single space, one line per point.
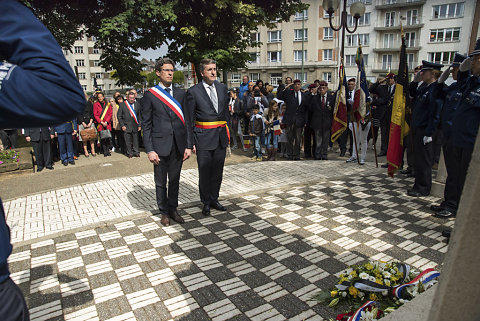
357 9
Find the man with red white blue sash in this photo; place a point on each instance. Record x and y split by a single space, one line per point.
129 118
165 131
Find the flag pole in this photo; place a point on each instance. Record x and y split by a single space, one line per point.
369 105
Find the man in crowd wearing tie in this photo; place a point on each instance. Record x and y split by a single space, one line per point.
129 118
383 108
321 111
207 109
165 131
347 134
295 116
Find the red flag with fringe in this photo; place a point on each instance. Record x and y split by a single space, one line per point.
339 123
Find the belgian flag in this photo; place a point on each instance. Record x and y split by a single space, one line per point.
398 127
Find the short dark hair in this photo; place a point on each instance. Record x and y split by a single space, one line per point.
351 79
256 107
163 61
205 62
316 81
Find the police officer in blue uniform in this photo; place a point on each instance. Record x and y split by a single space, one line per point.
425 119
451 96
37 88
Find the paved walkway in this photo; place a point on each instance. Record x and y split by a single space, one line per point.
263 259
77 206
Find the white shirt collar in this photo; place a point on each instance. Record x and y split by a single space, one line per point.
207 85
163 87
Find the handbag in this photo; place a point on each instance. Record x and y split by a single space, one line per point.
105 134
88 134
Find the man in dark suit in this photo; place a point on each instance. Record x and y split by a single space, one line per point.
347 134
321 111
129 118
295 116
165 132
384 89
42 148
207 106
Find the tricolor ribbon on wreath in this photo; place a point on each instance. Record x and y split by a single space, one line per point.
424 277
358 314
168 100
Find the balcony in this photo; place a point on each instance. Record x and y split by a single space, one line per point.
396 47
392 4
381 67
406 27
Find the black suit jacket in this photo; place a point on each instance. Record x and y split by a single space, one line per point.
381 101
295 114
36 135
321 117
200 108
126 119
161 126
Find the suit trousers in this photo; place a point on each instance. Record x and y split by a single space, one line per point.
43 153
169 166
294 136
309 142
13 307
322 137
423 162
65 146
408 144
131 143
385 132
342 141
452 191
463 158
210 172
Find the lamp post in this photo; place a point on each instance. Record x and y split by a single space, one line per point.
357 9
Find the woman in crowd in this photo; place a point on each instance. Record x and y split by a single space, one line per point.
271 137
85 121
116 129
103 117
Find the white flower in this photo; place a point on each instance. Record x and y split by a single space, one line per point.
361 294
402 301
367 316
386 275
385 293
344 294
372 278
364 276
392 271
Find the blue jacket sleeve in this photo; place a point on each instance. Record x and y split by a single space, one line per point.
5 246
37 85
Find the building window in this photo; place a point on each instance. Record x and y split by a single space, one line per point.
274 78
445 57
410 39
80 37
412 17
390 1
65 52
327 54
255 36
254 76
81 75
98 75
389 19
327 33
274 56
78 49
84 87
411 60
275 36
254 57
451 10
297 55
96 63
350 60
94 38
96 50
325 14
298 75
301 15
387 62
349 2
235 78
327 76
388 40
80 62
352 40
443 35
100 87
365 60
362 21
301 33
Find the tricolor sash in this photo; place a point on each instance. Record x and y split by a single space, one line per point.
168 100
132 111
213 124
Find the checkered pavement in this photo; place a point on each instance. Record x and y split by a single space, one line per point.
261 260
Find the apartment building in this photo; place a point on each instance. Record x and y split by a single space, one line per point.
86 58
434 30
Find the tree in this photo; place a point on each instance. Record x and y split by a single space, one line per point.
178 77
195 29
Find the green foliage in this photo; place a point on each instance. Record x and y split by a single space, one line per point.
178 77
152 79
192 29
8 156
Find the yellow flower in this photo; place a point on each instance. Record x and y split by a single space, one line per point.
379 281
373 296
353 291
387 282
353 274
334 293
368 266
342 278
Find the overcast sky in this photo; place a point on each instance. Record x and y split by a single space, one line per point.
153 54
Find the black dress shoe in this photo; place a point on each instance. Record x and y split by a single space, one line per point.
342 154
216 205
415 193
382 154
405 171
384 165
50 167
446 233
436 208
39 169
206 210
444 214
65 163
411 174
72 162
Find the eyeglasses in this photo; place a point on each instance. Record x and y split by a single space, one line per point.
167 70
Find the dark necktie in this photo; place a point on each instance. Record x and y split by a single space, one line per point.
323 101
168 90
